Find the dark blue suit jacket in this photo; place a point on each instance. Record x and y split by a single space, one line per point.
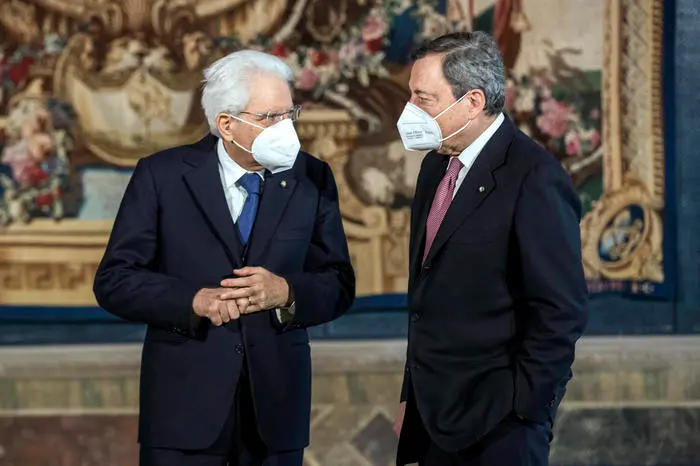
174 235
500 301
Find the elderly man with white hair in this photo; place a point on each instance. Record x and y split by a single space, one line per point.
228 249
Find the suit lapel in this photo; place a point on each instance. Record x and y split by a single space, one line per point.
204 183
277 192
434 173
476 187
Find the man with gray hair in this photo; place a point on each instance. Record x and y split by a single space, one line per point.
228 249
497 296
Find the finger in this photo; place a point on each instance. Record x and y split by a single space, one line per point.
233 311
252 308
223 312
241 282
242 304
215 318
237 293
247 271
212 309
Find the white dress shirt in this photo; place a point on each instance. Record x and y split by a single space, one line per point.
469 155
230 173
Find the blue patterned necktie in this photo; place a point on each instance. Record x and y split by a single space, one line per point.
251 183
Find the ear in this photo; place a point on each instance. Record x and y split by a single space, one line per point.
226 125
476 100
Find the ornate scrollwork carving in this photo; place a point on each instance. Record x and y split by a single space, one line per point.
624 236
31 277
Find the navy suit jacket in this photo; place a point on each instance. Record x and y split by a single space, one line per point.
500 301
174 235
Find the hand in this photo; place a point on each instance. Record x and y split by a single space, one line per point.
398 421
256 289
209 304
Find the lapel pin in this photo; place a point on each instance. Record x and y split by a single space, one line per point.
482 189
283 184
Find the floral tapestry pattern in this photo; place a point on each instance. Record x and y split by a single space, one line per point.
88 87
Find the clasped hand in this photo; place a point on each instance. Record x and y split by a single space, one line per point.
254 289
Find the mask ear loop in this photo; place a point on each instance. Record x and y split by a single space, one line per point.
450 106
247 123
241 147
460 129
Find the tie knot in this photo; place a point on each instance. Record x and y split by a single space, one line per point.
454 168
250 182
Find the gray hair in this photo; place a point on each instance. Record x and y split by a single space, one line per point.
226 85
471 60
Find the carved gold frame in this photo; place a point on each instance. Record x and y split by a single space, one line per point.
633 138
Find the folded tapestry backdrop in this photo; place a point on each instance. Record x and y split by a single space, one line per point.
87 87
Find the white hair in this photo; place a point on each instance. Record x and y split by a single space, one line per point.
226 82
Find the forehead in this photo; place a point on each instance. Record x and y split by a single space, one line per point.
268 93
427 75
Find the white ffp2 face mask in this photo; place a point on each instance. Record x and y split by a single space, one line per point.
276 147
419 131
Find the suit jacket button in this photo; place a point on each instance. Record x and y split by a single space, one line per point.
415 317
239 349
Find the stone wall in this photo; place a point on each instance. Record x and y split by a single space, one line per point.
633 401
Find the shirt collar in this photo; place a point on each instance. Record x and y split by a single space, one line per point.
231 171
469 155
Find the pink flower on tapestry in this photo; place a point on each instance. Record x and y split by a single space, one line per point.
573 143
333 57
594 138
374 29
373 34
307 80
554 119
24 164
349 52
